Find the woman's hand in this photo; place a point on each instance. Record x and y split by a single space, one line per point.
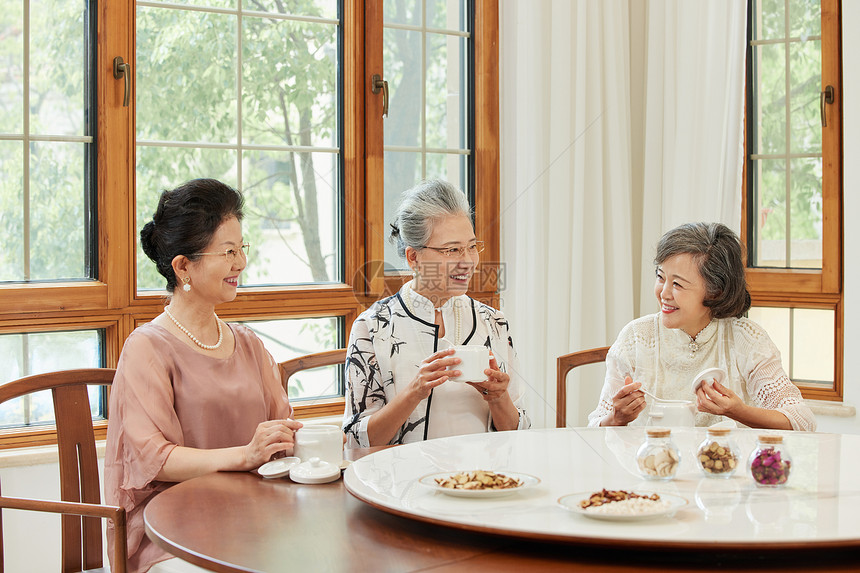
719 400
627 404
496 384
433 372
270 438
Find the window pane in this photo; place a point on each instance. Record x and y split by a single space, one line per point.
805 339
12 211
320 8
402 12
286 339
37 353
804 17
771 15
806 217
448 166
403 71
207 3
291 218
447 14
402 171
292 104
58 211
47 215
447 116
770 247
186 76
11 68
770 99
804 101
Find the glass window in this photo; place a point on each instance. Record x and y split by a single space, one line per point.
25 354
808 354
250 97
785 143
47 156
287 339
427 57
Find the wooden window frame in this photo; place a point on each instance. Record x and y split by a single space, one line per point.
813 288
112 302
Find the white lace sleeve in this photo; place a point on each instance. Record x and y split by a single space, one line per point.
767 382
617 367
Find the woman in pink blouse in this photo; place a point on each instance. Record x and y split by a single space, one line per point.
192 394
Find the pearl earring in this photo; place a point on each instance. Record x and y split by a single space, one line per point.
186 286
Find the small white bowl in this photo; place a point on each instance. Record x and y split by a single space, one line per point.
708 376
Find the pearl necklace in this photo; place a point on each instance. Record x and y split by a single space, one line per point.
408 293
194 338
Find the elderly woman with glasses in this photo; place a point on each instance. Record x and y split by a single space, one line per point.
192 394
702 295
400 362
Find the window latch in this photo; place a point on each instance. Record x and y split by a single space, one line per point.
123 70
377 83
824 97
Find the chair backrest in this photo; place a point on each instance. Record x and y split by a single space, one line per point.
327 358
564 365
79 474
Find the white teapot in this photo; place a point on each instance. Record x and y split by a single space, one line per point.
672 413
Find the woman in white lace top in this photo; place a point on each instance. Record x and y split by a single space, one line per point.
701 290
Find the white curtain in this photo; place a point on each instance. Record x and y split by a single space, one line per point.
600 158
565 107
693 122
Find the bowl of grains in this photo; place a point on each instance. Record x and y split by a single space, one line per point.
478 483
621 505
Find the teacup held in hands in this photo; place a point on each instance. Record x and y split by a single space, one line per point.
323 441
474 360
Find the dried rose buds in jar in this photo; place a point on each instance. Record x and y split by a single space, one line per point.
717 455
769 462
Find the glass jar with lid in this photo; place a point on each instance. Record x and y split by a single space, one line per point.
769 463
717 455
658 457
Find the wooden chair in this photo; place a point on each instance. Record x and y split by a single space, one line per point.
308 361
79 475
564 365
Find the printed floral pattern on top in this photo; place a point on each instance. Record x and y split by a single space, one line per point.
387 345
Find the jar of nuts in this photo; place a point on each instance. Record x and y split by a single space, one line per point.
718 454
658 457
769 463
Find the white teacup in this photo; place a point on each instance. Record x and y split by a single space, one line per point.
672 414
323 441
474 360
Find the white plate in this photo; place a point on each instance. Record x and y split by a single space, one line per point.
526 479
571 502
277 468
708 375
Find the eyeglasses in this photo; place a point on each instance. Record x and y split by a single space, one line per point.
229 254
472 250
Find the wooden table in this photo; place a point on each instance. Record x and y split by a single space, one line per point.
241 522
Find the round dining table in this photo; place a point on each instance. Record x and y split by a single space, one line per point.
386 514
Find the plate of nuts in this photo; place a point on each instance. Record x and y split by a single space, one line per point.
478 483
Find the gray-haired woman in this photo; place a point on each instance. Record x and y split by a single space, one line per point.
397 366
703 296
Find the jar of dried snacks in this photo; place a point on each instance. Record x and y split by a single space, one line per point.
718 454
658 457
769 463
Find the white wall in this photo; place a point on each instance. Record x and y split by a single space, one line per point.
851 204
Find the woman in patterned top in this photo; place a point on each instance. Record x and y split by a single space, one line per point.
397 375
703 297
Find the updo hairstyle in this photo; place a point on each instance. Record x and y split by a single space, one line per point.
186 220
717 251
420 208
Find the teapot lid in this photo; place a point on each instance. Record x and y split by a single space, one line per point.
314 470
